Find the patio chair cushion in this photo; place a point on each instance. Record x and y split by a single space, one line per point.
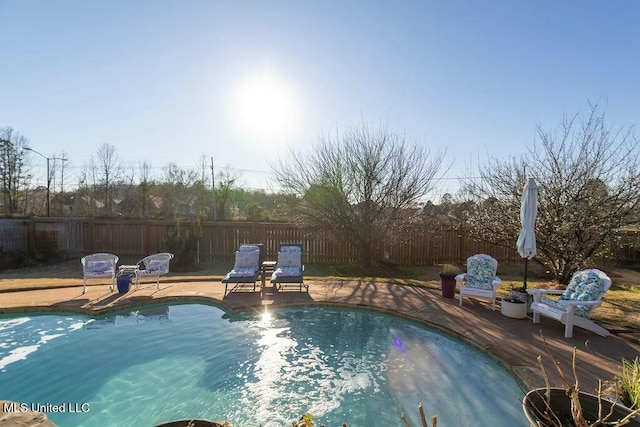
480 274
290 259
157 265
291 248
242 272
247 259
100 267
584 286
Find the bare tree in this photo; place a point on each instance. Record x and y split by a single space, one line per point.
227 182
100 178
12 174
357 187
109 173
588 176
184 195
145 186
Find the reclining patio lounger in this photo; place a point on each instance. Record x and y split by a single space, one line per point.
246 269
289 269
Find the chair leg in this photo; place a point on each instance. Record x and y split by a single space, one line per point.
84 285
568 329
568 326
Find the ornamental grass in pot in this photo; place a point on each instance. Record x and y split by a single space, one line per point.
448 273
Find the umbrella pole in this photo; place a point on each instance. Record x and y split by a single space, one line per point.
526 267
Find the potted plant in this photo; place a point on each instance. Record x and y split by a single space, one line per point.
448 273
625 388
516 305
192 422
567 406
513 308
520 293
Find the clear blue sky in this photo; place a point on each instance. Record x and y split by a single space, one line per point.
172 81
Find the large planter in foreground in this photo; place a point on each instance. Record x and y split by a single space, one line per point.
534 408
190 423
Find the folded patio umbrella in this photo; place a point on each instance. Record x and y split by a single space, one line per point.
526 243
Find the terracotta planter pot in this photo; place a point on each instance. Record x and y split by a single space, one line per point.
448 284
534 406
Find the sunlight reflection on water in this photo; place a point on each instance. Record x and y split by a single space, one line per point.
194 360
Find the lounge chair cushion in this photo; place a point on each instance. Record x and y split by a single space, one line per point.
287 272
247 259
290 259
100 267
242 272
291 248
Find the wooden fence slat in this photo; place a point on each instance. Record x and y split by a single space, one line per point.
134 239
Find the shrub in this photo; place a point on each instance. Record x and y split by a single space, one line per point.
183 243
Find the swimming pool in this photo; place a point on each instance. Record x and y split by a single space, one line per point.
162 363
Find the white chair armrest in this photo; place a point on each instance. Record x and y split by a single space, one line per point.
537 293
461 277
545 291
496 281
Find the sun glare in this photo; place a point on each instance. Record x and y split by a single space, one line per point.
264 105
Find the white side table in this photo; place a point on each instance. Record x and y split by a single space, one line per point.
130 269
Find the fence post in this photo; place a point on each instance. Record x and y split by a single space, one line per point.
31 232
146 236
463 244
91 235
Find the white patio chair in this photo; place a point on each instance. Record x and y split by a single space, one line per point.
98 266
584 293
154 266
480 280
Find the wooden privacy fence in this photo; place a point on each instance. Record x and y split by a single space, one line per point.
134 239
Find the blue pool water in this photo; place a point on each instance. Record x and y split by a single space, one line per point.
162 363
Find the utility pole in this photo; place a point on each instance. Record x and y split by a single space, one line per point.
213 188
48 159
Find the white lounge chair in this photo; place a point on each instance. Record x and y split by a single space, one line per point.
98 266
584 293
480 280
154 266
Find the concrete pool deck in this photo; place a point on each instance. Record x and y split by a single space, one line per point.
514 342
